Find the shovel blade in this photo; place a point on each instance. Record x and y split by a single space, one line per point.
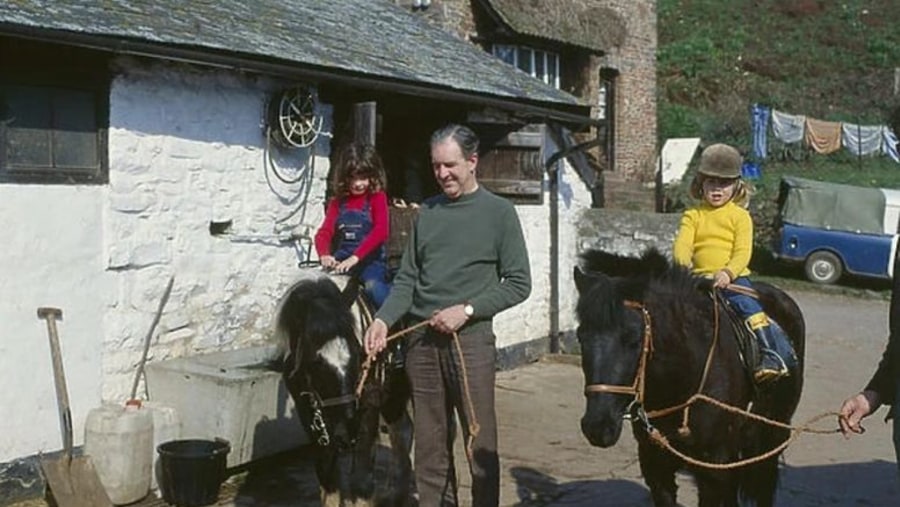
74 482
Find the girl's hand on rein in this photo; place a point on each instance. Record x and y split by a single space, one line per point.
721 279
347 264
327 261
449 319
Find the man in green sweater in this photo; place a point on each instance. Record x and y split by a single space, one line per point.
465 262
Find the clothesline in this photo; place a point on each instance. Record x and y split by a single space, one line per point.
821 136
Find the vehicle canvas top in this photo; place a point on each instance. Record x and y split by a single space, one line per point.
834 206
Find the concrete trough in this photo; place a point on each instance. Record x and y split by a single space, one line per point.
233 395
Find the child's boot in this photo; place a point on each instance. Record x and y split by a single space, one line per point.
776 355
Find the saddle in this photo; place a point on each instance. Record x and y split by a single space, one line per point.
747 344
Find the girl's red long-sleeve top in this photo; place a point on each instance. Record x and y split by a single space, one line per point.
378 210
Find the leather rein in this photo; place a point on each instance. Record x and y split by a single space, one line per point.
636 388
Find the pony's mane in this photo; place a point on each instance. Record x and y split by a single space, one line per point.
314 311
617 278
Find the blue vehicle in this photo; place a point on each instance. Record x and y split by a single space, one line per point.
835 229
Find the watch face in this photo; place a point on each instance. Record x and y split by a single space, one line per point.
469 309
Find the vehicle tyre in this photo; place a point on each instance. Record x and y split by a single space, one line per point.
823 267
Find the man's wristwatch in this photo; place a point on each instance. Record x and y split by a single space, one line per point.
469 310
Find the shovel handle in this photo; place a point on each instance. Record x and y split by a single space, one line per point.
51 315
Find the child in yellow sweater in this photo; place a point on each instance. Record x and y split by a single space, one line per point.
715 239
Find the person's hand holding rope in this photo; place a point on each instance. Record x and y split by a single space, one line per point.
450 319
854 409
375 339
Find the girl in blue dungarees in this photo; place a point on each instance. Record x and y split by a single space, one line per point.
356 221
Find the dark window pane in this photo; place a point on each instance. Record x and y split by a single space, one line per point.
28 122
553 69
505 53
75 138
539 66
524 61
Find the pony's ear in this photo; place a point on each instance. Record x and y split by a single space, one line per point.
585 280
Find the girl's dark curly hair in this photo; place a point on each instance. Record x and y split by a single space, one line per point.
357 160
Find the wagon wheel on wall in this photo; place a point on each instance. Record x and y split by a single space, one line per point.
294 117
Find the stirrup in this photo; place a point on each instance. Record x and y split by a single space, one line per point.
766 375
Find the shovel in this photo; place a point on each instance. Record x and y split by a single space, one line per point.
72 481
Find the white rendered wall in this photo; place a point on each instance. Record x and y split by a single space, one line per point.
531 319
185 148
50 258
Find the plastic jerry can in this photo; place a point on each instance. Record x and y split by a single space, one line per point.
119 441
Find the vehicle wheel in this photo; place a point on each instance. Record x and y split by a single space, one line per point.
823 267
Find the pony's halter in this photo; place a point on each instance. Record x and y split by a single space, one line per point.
636 388
317 427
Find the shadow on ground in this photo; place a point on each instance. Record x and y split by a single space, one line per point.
872 483
536 489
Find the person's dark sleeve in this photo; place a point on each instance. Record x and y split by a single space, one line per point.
884 381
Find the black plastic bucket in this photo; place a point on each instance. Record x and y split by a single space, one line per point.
191 471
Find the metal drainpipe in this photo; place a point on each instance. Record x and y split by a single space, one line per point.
553 172
553 165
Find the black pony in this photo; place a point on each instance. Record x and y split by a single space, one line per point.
647 331
321 328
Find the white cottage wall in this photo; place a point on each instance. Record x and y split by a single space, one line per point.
189 149
51 258
186 148
530 320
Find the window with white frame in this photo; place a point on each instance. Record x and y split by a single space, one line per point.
538 63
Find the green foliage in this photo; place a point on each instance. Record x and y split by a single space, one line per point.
826 60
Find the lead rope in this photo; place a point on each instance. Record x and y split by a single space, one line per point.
473 426
367 365
684 430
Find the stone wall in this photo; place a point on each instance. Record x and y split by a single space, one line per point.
627 233
635 106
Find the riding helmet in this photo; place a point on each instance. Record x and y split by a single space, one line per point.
720 161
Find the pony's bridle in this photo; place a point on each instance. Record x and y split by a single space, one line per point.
636 388
317 427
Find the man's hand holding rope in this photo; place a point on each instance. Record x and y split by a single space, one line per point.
450 319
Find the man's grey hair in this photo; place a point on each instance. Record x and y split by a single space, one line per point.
466 139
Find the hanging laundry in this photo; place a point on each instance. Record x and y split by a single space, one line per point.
759 123
750 170
787 127
889 144
823 136
861 139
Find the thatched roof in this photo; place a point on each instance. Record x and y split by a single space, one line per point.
572 22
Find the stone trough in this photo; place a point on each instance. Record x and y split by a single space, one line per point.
233 395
